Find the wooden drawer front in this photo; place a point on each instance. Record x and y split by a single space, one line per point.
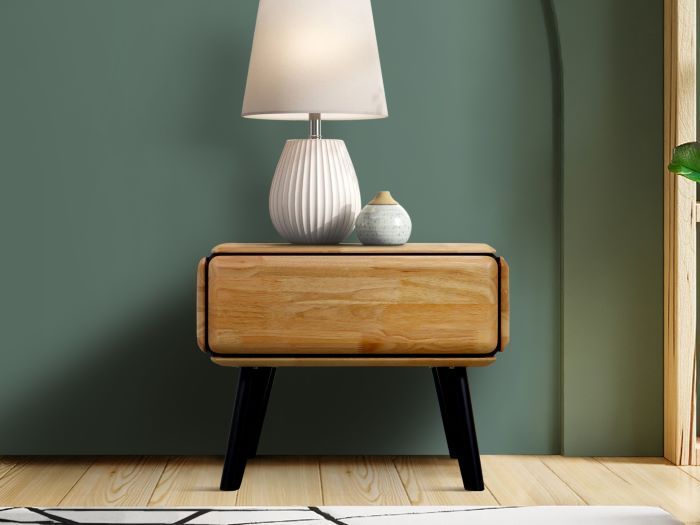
353 304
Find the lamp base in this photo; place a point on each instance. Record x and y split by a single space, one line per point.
314 197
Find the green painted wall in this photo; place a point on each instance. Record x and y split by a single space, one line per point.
612 316
124 160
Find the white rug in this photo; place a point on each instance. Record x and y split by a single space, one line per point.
339 515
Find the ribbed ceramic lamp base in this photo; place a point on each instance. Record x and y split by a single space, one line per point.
314 198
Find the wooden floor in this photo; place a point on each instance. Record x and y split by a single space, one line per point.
417 480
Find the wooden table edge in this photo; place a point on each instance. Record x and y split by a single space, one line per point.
265 361
405 249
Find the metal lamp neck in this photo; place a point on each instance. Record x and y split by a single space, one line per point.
314 125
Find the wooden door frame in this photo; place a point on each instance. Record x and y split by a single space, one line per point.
680 222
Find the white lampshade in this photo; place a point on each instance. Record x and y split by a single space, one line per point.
314 56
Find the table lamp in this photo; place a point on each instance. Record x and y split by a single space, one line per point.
315 60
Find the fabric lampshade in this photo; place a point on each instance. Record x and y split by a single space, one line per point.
314 56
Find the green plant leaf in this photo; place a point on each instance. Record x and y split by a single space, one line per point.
693 175
679 168
686 159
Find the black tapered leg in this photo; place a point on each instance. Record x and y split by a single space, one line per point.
458 406
441 394
261 409
253 388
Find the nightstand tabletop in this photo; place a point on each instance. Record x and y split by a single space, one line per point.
405 249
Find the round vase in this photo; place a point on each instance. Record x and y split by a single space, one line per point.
383 222
314 197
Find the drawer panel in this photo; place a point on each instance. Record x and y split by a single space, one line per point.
353 304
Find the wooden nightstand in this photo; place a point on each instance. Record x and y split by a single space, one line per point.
261 306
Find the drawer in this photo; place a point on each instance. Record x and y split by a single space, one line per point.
350 304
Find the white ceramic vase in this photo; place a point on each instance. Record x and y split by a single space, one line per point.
314 197
383 221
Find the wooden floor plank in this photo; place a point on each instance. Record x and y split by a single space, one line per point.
41 481
693 471
525 480
431 480
7 464
117 482
361 480
190 482
599 482
667 486
595 483
277 480
193 481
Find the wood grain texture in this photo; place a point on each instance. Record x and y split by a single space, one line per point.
361 481
430 480
348 304
192 481
663 484
680 208
594 483
41 481
505 303
692 470
629 481
281 481
419 480
201 303
7 464
117 482
436 248
353 361
525 480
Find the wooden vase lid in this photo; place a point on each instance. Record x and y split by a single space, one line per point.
383 197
